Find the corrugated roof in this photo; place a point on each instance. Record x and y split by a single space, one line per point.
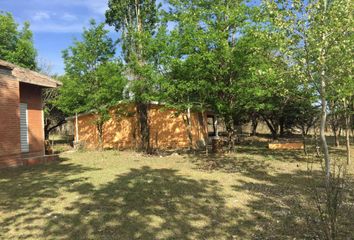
29 76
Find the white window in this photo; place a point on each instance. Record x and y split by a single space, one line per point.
24 127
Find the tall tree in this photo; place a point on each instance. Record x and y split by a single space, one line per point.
93 78
16 46
203 73
310 36
136 21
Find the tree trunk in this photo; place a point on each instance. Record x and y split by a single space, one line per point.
304 134
142 110
347 131
48 128
189 129
335 134
282 127
99 126
254 126
46 133
316 141
230 134
273 128
322 128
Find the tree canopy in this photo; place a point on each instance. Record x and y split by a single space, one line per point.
16 46
94 80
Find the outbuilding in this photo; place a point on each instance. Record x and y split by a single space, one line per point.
21 115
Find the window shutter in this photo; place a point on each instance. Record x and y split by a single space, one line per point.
24 127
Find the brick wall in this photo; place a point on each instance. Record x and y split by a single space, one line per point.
12 93
9 116
166 129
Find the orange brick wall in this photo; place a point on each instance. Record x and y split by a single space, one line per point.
166 129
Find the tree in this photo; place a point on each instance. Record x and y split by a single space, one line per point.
310 35
136 21
264 88
314 38
201 71
93 80
16 46
53 116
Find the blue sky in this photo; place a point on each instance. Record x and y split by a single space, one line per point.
55 23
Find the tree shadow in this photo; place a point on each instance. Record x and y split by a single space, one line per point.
24 191
230 164
284 206
147 203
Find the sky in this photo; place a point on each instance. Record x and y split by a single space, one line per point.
55 23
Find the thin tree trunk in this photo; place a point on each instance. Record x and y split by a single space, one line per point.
322 128
316 141
206 136
254 126
335 134
304 134
48 129
347 130
282 127
230 134
216 127
100 135
189 129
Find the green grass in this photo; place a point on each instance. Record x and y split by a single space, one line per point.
253 194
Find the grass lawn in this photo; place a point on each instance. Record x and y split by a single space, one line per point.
253 194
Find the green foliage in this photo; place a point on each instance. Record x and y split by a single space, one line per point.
93 79
16 46
315 40
202 45
135 20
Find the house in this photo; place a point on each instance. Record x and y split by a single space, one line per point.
168 128
21 115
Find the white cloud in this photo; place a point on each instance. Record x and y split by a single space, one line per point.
60 16
68 17
95 6
57 28
41 15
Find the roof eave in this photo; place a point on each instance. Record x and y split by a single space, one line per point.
29 76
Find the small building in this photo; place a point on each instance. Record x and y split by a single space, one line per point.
21 115
168 128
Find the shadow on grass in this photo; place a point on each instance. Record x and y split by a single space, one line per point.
282 204
285 209
147 203
247 160
25 190
143 203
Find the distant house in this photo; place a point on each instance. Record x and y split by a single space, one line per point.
168 129
21 115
